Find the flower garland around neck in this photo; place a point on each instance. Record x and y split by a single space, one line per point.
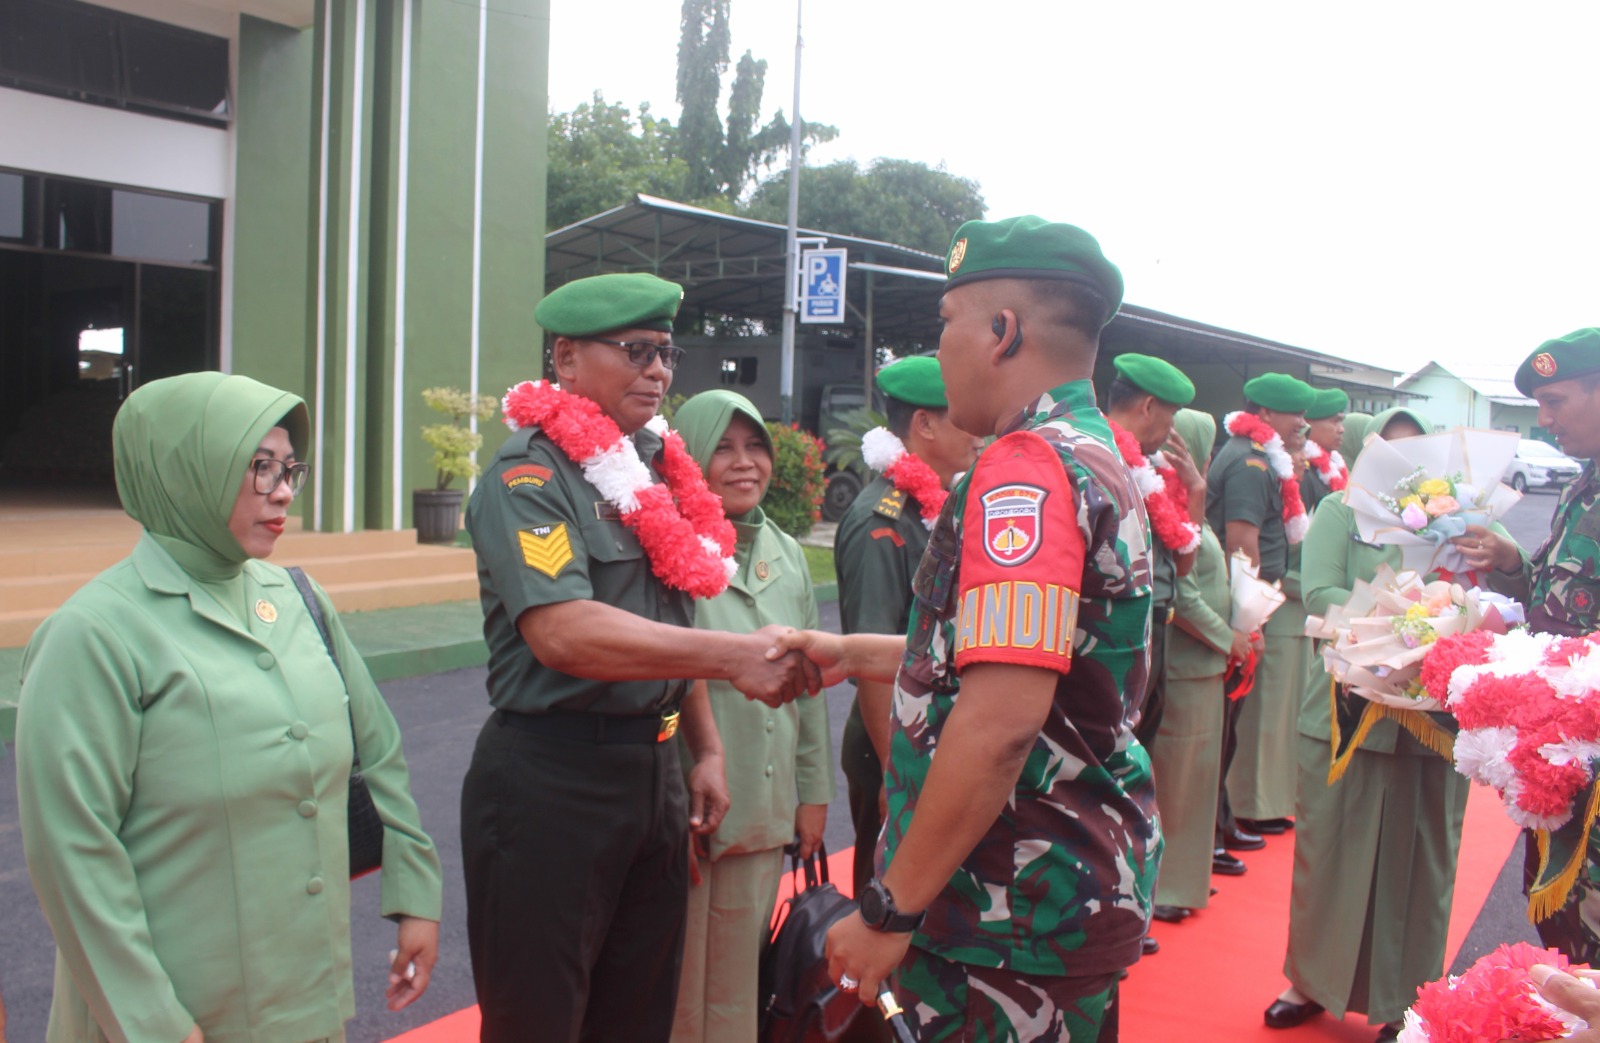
680 524
882 451
1166 501
1331 466
1248 425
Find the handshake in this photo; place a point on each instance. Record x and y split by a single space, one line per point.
779 664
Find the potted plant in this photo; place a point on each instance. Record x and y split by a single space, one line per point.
436 512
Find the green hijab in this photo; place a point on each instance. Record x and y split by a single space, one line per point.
1355 432
1198 431
1376 425
703 419
181 448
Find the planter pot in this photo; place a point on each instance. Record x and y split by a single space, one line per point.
436 514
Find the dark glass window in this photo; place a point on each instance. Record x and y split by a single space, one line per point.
77 216
75 50
160 228
13 206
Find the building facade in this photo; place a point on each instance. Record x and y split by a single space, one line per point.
344 198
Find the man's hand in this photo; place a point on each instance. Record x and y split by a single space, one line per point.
416 951
194 1036
823 650
774 677
809 822
1486 549
1572 996
1241 647
708 794
866 955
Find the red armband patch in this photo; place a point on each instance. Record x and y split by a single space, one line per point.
1021 558
887 533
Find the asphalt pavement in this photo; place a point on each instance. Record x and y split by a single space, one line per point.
441 715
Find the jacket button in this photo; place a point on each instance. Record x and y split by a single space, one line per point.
314 886
265 660
298 730
308 808
771 724
769 771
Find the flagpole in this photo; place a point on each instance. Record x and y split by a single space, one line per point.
791 304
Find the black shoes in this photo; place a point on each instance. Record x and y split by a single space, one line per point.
1237 839
1285 1015
1148 946
1171 913
1225 864
1268 827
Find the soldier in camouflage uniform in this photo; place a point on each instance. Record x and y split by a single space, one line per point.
1560 583
1017 867
876 549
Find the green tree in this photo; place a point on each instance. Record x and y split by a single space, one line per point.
601 156
894 200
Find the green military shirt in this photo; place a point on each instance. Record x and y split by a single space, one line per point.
543 535
1241 487
1312 489
876 549
1563 576
1163 581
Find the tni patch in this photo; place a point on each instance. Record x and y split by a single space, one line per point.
526 474
546 548
1011 523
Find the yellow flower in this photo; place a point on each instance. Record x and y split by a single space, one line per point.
1409 500
1417 611
1435 487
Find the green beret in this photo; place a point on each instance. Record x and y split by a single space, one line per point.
1280 393
915 381
1575 355
1157 376
1329 402
1031 248
601 303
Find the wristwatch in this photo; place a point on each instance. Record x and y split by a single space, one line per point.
879 913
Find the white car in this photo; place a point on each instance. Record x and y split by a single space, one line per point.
1539 465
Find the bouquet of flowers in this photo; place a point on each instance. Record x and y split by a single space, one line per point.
1418 493
1494 1000
1254 599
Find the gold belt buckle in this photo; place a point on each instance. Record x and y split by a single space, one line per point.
1172 610
669 726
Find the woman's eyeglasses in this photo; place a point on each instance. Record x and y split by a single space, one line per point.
642 352
271 473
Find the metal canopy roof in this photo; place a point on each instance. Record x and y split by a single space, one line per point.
734 266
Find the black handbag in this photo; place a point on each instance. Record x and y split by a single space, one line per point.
799 1002
366 826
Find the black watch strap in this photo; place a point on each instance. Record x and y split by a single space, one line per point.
879 913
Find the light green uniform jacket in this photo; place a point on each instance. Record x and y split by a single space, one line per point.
183 757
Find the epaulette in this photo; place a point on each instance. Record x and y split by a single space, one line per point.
892 505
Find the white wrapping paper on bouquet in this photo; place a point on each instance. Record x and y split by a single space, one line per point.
1365 651
1479 457
1254 599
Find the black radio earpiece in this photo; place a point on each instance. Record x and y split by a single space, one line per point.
999 327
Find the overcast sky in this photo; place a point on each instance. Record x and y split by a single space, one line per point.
1394 182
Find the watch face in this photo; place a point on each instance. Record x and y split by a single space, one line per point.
872 904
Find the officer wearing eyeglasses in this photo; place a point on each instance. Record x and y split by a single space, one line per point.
574 816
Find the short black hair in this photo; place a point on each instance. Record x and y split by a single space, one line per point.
900 414
1073 305
1123 393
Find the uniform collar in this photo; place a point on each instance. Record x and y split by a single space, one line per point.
1071 397
162 575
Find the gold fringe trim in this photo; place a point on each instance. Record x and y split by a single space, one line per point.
1369 718
1545 900
1424 730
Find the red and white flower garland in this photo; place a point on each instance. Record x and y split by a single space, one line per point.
1528 706
1331 466
1166 501
882 451
680 524
1494 1000
1248 425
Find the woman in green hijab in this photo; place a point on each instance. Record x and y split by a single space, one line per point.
184 744
1187 755
1375 851
779 762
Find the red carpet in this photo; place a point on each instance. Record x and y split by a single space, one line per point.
1217 971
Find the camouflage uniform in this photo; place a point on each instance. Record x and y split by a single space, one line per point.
1040 558
1560 585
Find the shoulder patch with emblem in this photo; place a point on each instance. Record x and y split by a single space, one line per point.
888 533
546 548
892 505
526 474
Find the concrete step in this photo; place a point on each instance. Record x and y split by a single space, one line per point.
35 553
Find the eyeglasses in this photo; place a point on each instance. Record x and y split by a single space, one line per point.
642 352
272 473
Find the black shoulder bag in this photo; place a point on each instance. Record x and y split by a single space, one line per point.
366 827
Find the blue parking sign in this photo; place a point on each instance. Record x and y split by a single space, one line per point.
822 275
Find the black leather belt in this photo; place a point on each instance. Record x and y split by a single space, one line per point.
601 729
